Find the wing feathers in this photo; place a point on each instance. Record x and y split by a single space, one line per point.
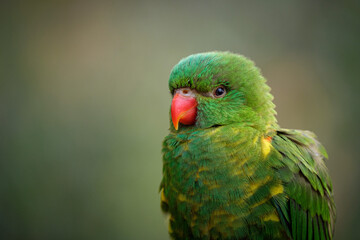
309 212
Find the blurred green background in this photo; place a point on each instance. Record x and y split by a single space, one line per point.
84 103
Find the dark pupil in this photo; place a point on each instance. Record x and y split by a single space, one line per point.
220 91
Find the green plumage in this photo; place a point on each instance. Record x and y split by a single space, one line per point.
235 174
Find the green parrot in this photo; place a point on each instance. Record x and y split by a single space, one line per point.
229 170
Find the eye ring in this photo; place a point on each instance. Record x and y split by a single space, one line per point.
219 92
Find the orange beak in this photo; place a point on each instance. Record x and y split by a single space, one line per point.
183 110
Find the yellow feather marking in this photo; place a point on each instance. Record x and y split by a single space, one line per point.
213 186
250 170
197 175
271 217
216 220
238 142
265 146
260 203
276 190
194 217
253 186
201 169
163 198
219 212
182 197
255 140
210 133
170 219
241 170
170 229
273 191
239 163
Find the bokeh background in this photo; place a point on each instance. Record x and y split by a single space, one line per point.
84 103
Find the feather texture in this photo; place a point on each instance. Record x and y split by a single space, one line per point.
309 190
235 174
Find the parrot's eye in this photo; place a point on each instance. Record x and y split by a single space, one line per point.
219 92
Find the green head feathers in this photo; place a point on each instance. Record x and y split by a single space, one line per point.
247 100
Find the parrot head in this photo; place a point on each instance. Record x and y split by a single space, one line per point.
219 88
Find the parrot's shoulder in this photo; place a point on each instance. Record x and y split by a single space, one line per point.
309 210
303 153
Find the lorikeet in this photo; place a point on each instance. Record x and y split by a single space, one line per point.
229 170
